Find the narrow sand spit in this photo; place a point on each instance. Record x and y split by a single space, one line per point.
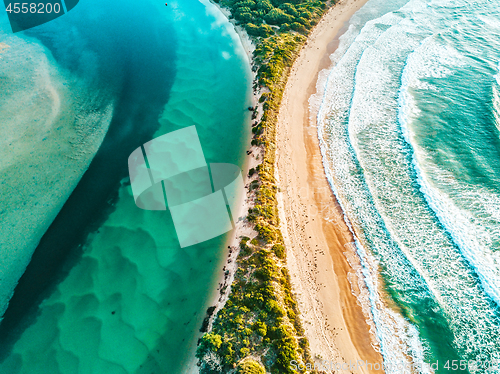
317 239
315 233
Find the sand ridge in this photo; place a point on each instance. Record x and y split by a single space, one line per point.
317 239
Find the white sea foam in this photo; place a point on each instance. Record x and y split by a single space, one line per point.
398 339
473 240
372 175
466 227
496 99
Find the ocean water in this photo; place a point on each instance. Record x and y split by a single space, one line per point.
409 129
108 289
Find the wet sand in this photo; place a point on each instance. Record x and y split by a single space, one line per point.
317 239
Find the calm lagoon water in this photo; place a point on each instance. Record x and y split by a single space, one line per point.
108 289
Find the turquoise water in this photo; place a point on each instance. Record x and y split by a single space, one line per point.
128 299
409 125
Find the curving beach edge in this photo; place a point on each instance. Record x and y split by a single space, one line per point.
315 317
320 247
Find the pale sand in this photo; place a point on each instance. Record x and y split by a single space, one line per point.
315 233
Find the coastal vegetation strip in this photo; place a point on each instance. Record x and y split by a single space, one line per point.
259 330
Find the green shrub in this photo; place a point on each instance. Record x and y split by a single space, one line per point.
265 30
279 251
250 367
286 354
253 185
245 249
277 17
274 308
266 272
209 342
264 97
244 351
252 29
245 4
298 27
289 9
243 15
266 232
227 353
306 15
256 142
285 27
261 290
260 328
264 5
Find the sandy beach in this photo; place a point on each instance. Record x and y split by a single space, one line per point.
316 236
317 239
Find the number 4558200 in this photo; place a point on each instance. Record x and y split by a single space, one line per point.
33 8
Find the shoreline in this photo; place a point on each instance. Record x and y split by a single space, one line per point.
242 227
348 336
317 239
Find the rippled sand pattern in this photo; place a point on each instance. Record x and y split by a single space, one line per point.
52 125
135 301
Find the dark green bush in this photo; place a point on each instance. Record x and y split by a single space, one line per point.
243 15
245 4
264 5
250 367
274 308
279 251
277 17
289 9
298 27
209 342
253 185
260 328
252 29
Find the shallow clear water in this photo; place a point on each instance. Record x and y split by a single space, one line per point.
409 129
129 299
